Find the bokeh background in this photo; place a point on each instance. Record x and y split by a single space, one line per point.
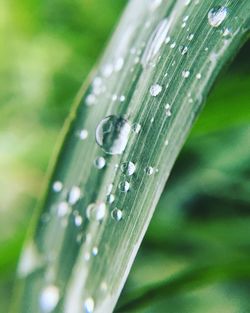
203 218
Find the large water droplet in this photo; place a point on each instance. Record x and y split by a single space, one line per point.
112 134
217 15
49 298
96 211
89 305
116 214
128 168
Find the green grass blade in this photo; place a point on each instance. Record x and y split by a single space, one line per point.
152 80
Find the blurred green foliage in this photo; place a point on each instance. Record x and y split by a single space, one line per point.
203 217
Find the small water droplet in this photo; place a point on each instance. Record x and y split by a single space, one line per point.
96 211
227 33
63 209
190 37
122 98
185 74
109 189
183 50
90 99
155 90
198 76
49 298
95 251
100 162
124 186
114 98
112 134
83 134
89 305
168 110
128 168
136 128
118 64
78 220
116 214
74 195
110 198
167 39
172 46
107 70
57 186
217 15
149 170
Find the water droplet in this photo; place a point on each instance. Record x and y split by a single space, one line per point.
172 46
136 128
124 186
166 142
109 189
112 134
114 98
116 214
122 98
128 168
74 195
155 42
217 15
183 50
154 4
168 110
100 162
155 90
190 37
30 260
107 70
227 33
90 99
198 76
185 74
78 220
63 209
89 305
95 251
83 134
149 170
49 298
110 198
96 211
118 64
57 186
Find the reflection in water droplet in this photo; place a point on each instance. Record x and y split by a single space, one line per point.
57 186
100 162
128 168
217 15
116 214
95 251
155 90
124 186
96 211
149 170
74 195
89 305
49 298
112 134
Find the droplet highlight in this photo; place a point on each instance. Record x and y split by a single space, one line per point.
217 15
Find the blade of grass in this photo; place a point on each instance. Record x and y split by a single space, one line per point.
156 72
188 280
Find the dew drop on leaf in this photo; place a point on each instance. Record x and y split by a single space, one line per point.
96 211
149 170
155 90
89 305
110 198
49 298
128 168
83 134
63 208
112 134
100 162
74 195
124 186
185 74
57 186
116 214
136 128
217 15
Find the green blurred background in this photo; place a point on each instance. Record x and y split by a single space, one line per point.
203 218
